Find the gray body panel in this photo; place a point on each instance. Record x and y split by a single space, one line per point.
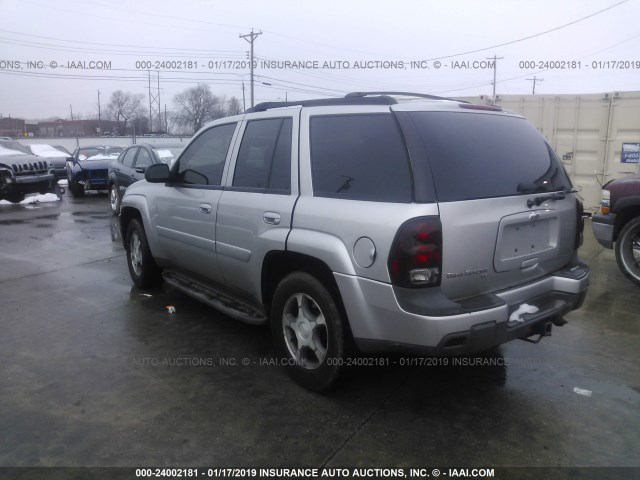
496 248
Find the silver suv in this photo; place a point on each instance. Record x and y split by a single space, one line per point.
428 226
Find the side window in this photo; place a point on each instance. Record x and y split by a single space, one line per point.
202 162
359 157
264 159
129 156
144 159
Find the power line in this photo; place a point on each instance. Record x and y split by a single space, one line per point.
75 42
531 36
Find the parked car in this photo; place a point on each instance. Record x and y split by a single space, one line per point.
88 168
619 223
131 165
21 172
56 153
432 227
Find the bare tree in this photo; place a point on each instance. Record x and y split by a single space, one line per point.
234 107
197 105
122 107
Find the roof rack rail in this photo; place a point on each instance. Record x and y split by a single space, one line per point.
379 100
403 94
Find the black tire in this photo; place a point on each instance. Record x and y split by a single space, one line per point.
114 198
142 267
628 250
57 189
76 190
309 332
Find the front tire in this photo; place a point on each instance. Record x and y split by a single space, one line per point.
142 267
114 198
628 250
309 332
76 190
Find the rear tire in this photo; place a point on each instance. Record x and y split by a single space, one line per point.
142 267
628 250
309 332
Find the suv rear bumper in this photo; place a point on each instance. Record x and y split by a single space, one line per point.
603 228
380 324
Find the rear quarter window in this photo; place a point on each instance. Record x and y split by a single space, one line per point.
474 156
359 157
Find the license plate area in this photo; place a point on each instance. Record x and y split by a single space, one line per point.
526 236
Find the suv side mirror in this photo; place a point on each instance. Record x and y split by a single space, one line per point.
157 173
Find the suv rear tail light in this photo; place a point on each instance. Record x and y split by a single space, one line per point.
415 259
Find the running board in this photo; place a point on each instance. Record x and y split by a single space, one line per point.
231 306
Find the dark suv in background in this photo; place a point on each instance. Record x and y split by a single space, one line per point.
21 172
619 223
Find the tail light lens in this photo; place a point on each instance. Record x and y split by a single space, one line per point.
415 259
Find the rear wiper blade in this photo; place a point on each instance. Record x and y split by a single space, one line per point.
552 196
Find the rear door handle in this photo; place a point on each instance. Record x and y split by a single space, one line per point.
205 208
272 218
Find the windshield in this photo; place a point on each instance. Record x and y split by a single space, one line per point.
475 156
13 148
168 155
43 150
99 153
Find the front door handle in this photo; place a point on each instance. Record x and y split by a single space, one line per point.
272 218
205 208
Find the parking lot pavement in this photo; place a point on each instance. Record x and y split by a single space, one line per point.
94 372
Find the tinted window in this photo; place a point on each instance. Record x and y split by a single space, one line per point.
129 157
144 159
480 156
264 159
361 157
202 162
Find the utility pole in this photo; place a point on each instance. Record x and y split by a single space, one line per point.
250 37
71 109
534 80
495 67
150 117
99 116
159 108
244 103
154 104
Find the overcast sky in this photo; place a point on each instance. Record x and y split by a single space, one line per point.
600 53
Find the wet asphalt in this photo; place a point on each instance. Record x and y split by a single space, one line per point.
95 372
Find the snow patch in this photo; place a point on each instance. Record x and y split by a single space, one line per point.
5 202
43 150
522 309
4 151
43 198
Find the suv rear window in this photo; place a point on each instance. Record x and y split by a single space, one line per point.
475 156
359 157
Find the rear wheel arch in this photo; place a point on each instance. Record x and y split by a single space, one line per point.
278 264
